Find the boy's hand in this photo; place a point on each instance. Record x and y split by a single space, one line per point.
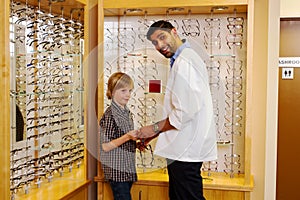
133 135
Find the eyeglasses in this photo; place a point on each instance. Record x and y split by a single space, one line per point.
233 132
147 65
213 68
212 40
146 23
147 101
234 44
232 164
235 20
233 86
234 37
147 108
234 40
213 21
210 166
235 28
233 95
191 27
146 159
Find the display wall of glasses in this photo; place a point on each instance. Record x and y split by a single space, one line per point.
221 40
47 130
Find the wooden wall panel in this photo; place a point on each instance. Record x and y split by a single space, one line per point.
4 101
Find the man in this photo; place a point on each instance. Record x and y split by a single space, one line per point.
187 134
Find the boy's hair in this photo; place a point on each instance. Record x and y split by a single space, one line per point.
116 81
159 25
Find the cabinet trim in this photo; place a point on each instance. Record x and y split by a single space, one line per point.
169 3
156 7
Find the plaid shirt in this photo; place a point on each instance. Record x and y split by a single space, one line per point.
119 163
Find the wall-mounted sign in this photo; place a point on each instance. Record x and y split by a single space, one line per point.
289 61
287 73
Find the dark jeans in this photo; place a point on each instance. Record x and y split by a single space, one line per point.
185 180
121 190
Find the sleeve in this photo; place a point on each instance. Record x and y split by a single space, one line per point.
187 92
106 129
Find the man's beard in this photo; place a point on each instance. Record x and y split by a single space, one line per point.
167 55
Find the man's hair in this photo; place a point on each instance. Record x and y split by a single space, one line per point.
159 25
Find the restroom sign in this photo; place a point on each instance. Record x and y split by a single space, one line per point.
287 73
289 61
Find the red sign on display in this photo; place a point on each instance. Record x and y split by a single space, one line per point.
155 86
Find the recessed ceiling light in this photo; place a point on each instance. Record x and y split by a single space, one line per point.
219 8
176 9
134 10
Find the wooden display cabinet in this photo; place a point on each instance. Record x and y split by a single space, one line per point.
75 185
154 185
221 187
152 190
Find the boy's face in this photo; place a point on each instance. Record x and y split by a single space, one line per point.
164 42
122 95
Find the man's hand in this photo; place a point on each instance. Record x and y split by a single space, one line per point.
147 132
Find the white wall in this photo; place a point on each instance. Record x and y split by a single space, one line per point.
289 8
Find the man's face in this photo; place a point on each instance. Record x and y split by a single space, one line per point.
164 42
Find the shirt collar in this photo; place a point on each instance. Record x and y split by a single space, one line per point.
122 117
119 108
185 44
